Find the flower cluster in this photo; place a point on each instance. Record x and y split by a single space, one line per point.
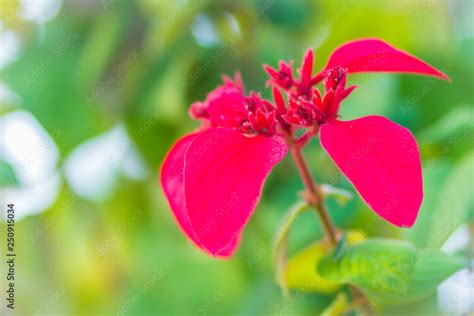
228 107
213 177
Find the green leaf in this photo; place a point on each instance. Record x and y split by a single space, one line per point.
342 196
430 270
340 247
452 126
424 307
63 112
8 177
280 248
381 90
455 203
434 177
338 306
301 273
381 265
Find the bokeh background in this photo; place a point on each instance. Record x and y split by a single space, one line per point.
94 93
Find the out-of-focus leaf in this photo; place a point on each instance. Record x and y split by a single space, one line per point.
424 307
10 12
173 18
280 248
167 98
456 124
100 47
377 265
338 306
287 13
381 90
301 272
454 204
430 270
341 195
435 173
8 177
340 246
46 79
302 275
157 110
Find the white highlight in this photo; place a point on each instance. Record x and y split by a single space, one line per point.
93 168
39 11
456 294
204 31
33 155
9 47
459 240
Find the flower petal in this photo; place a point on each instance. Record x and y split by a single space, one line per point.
382 160
224 175
374 55
225 106
172 181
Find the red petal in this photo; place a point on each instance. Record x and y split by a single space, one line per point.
224 176
272 72
382 160
225 106
374 55
279 100
236 82
173 184
307 67
172 181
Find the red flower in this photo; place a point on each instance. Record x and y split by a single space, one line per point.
213 177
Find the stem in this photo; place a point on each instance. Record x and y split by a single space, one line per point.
315 198
359 298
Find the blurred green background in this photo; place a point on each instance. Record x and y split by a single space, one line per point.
94 93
